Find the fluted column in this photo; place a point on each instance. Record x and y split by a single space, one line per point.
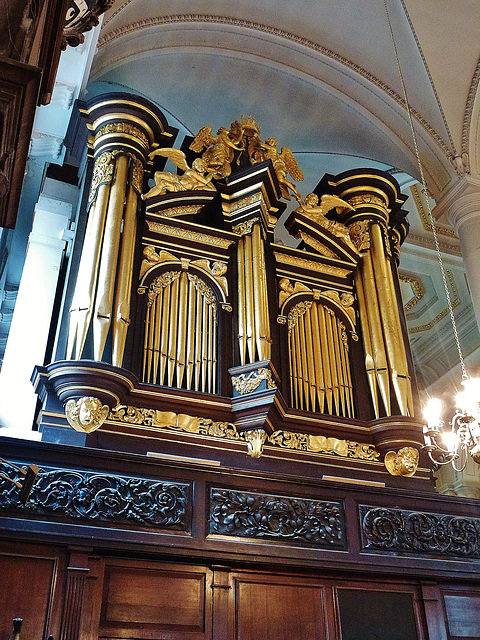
124 131
461 205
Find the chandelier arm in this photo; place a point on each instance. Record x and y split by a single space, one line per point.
424 185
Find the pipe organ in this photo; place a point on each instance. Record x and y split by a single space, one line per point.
188 298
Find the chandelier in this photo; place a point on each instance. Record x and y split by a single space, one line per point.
453 444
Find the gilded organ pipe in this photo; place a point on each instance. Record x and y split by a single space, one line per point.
320 367
180 331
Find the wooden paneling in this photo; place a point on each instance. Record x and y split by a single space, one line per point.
278 609
26 589
462 607
155 601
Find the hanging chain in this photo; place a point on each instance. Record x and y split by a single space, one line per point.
424 189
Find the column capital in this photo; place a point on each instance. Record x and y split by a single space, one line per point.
460 203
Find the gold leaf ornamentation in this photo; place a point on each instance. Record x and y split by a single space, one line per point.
244 228
160 283
297 261
246 383
360 235
298 310
187 234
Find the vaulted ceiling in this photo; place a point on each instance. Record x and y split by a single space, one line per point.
327 78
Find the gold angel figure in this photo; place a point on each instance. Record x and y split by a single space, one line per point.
284 163
317 212
195 177
222 146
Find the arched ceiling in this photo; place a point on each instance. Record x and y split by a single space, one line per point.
322 76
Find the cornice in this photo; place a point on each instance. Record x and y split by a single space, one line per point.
460 202
467 118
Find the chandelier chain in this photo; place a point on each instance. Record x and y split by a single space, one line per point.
429 209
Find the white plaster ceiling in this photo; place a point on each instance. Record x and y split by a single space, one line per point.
322 76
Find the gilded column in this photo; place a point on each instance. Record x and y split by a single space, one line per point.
124 130
376 201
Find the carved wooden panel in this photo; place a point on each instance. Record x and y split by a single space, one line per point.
281 608
294 520
26 589
155 601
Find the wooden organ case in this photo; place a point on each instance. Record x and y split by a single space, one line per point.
231 446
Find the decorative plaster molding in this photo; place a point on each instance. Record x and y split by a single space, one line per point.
263 28
45 144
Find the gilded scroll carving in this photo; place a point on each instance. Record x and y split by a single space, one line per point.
254 515
160 283
123 127
244 228
255 439
89 496
205 426
246 383
187 234
360 235
413 532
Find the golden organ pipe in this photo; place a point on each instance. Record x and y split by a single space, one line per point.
317 355
198 338
267 341
242 322
376 333
339 365
325 358
310 361
182 328
109 255
146 345
303 356
172 331
257 284
293 368
157 333
214 367
204 342
367 343
250 324
345 364
82 305
331 354
298 353
124 283
164 333
190 334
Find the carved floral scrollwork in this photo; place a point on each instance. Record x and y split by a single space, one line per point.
253 515
244 228
414 532
122 127
205 291
160 283
298 310
99 497
360 235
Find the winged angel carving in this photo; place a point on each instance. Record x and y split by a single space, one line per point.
317 212
220 155
284 163
198 176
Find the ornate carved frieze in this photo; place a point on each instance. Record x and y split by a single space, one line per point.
321 444
244 228
254 515
360 235
413 532
187 234
304 263
89 496
204 426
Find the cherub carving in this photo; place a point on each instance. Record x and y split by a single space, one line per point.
222 147
402 463
284 163
194 178
86 414
317 212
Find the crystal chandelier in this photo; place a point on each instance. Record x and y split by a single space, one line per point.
444 445
463 437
